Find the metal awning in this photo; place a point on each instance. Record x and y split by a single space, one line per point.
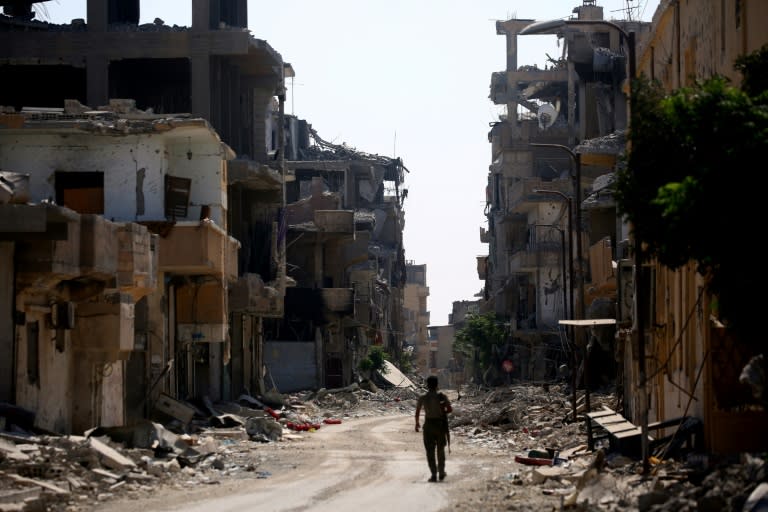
589 322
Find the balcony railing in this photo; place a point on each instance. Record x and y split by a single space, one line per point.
200 248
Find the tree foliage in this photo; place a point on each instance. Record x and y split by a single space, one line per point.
374 360
689 188
478 337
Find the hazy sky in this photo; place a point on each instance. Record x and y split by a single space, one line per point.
407 78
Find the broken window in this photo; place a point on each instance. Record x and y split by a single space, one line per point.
176 197
80 191
30 85
169 90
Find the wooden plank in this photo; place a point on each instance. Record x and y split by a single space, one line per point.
588 322
599 414
607 420
627 432
614 430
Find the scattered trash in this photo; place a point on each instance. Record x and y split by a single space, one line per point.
222 440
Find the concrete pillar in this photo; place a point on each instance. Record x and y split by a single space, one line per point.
319 358
215 364
572 78
84 396
258 356
7 327
236 115
97 80
238 355
97 15
262 99
201 86
201 15
158 347
242 13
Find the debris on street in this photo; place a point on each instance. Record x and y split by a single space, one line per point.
529 424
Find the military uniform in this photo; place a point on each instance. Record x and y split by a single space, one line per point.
436 406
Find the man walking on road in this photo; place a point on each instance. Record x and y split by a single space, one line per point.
436 408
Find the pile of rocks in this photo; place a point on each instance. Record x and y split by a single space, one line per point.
523 424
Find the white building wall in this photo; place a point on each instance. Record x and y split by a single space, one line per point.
134 168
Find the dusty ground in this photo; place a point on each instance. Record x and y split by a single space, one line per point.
374 460
369 463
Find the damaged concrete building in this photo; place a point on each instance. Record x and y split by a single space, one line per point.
346 258
98 279
148 236
692 362
554 160
416 316
548 151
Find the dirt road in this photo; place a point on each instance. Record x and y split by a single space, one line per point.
364 464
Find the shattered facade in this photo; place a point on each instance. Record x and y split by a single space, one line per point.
149 236
346 260
693 364
187 337
536 272
554 161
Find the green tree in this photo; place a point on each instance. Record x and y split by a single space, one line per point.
688 187
374 361
476 340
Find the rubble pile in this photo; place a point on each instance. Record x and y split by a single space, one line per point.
527 427
222 440
541 448
518 416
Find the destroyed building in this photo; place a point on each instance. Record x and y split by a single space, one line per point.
416 315
145 224
542 244
692 362
345 254
560 260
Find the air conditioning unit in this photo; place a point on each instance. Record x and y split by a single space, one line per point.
63 315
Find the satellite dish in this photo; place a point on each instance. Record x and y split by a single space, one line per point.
547 115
